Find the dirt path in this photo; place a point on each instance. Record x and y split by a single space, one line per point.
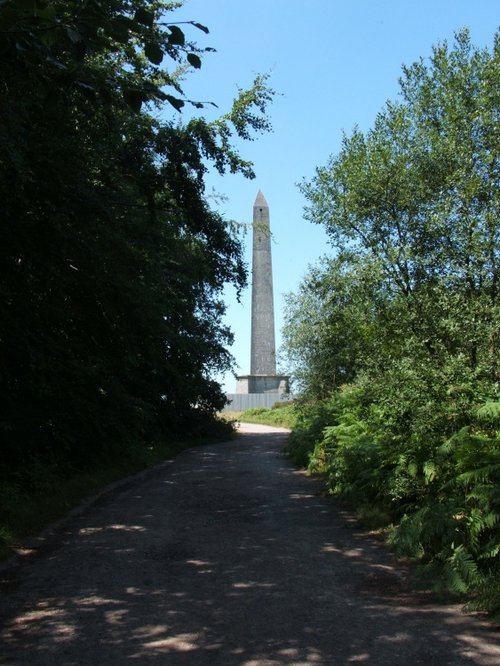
226 556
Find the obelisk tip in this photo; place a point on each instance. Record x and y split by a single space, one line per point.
260 200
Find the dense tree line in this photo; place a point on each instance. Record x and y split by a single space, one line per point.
112 263
394 341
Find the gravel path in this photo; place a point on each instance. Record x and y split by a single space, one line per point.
226 556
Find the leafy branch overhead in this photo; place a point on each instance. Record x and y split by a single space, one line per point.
76 39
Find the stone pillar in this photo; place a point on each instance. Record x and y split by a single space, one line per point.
262 387
263 350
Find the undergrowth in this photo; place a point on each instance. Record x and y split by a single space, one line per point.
437 500
282 415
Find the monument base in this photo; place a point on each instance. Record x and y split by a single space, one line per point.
257 391
262 384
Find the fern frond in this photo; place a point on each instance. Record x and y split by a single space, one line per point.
487 595
490 411
457 439
462 570
490 551
430 471
482 474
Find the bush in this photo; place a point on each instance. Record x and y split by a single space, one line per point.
439 502
282 415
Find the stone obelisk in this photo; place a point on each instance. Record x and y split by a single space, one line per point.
262 377
263 350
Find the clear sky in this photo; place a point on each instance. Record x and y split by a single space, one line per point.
333 63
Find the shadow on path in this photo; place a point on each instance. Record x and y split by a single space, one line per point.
227 556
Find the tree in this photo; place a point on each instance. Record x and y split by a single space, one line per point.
111 263
419 194
329 324
415 434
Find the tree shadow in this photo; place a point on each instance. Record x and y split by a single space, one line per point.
228 556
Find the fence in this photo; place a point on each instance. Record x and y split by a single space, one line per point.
239 402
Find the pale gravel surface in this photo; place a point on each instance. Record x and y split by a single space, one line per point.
226 556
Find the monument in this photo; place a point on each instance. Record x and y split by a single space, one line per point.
263 387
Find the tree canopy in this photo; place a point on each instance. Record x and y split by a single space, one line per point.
417 200
112 263
398 333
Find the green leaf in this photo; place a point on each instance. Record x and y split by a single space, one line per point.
27 5
126 22
23 45
119 29
47 13
430 471
175 102
73 35
153 52
134 98
87 89
201 27
489 411
79 51
194 60
145 17
85 85
176 36
49 38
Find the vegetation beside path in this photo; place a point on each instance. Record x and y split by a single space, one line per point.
281 415
336 439
393 340
113 267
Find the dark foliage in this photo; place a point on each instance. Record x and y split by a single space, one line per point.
111 262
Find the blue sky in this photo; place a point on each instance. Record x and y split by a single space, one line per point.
333 63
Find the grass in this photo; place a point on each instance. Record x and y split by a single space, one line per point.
282 415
